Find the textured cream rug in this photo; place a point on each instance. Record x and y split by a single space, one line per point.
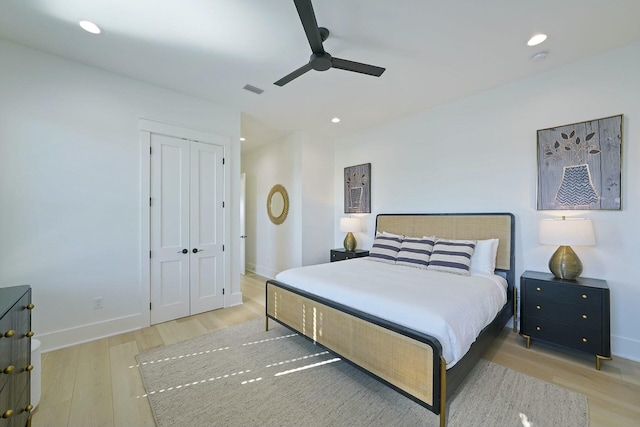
244 376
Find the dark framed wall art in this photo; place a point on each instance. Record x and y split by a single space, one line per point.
357 189
579 166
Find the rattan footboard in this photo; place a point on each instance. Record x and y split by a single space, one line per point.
402 358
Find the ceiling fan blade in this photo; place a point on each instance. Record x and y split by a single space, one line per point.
297 73
310 25
358 67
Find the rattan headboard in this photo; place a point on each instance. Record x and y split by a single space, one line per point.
457 226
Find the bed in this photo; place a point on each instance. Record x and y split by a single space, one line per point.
409 359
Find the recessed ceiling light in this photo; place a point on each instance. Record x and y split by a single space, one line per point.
335 120
90 27
242 139
537 39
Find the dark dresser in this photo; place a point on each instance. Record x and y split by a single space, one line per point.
570 313
341 254
15 356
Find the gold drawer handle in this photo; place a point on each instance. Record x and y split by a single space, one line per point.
538 307
9 369
584 296
584 316
538 328
30 334
538 289
9 333
7 413
29 368
29 408
30 307
584 340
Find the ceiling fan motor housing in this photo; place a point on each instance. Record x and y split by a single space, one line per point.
320 61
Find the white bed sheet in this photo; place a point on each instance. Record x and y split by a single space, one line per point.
454 309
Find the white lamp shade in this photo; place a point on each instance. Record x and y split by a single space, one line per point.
566 232
350 225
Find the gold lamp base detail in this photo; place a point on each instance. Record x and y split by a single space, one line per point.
350 242
565 264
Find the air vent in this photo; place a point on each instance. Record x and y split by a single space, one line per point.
253 89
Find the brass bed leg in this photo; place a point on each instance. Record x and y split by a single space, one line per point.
443 392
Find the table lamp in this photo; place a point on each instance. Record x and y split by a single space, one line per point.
349 225
566 232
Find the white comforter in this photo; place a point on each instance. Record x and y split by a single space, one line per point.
451 308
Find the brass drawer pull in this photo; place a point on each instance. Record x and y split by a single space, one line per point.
538 289
9 333
29 408
584 296
584 316
538 328
29 368
9 369
538 307
7 413
584 339
30 307
30 334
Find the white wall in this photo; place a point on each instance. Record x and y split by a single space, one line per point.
304 166
479 155
70 189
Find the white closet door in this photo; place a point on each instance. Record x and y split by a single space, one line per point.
169 228
187 228
206 227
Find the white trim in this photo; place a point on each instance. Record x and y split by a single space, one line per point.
626 348
90 332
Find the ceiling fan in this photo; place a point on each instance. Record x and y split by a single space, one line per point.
320 60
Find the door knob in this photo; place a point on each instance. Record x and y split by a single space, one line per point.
243 237
195 250
184 251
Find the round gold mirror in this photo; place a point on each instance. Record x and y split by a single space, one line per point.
278 204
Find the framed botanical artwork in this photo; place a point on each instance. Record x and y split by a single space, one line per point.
357 189
579 166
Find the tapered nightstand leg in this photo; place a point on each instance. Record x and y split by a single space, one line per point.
527 339
599 360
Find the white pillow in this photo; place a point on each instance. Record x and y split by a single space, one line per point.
484 256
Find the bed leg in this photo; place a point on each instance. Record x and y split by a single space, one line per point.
443 392
266 323
515 309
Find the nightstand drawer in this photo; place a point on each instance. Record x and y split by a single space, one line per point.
582 315
566 292
583 339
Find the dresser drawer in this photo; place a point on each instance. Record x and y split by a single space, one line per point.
567 293
582 315
583 339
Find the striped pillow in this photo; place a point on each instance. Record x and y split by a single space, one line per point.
415 252
452 256
385 249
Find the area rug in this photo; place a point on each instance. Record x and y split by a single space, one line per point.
244 376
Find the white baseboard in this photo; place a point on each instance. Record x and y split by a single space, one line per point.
233 299
264 271
626 348
85 333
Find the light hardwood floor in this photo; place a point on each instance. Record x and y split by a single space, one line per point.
97 383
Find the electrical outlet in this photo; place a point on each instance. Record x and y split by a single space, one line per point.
98 303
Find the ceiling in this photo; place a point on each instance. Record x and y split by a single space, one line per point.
434 51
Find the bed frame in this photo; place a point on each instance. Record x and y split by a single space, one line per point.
408 361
